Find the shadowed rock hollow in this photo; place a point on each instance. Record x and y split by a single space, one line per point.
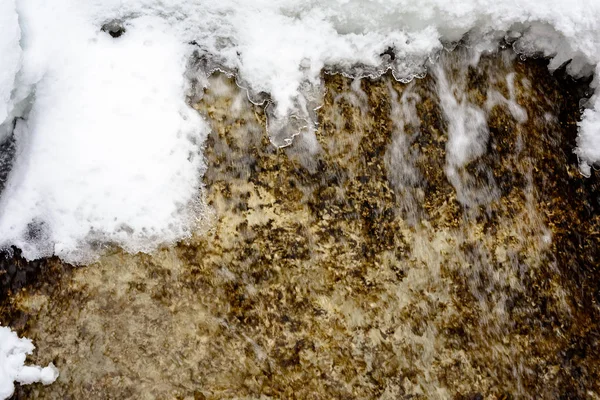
373 262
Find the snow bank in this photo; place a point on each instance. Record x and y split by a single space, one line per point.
108 151
13 351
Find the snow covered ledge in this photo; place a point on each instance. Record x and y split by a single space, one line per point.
13 351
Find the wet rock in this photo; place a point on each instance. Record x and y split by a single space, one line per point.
358 263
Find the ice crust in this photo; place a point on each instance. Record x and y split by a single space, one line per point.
13 351
108 151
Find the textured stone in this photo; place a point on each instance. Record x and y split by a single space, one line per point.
351 269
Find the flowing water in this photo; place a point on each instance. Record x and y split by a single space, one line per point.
429 240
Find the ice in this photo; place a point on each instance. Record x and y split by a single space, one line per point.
13 351
108 151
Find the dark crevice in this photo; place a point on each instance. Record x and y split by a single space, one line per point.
114 28
7 155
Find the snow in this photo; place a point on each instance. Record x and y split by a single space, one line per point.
109 150
110 153
13 351
10 52
588 142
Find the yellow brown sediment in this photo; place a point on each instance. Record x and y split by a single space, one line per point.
326 275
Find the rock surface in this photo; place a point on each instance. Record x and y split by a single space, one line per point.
360 265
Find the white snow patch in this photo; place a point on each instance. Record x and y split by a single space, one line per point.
13 351
10 59
110 150
588 142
